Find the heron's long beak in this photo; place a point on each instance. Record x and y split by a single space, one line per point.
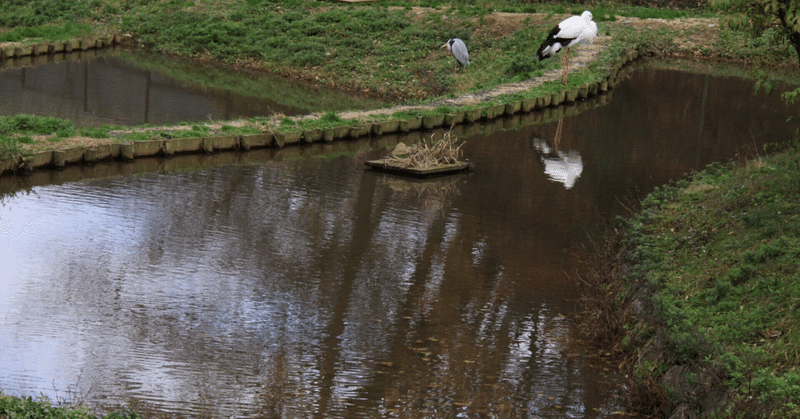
444 46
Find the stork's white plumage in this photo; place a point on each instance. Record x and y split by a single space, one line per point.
590 32
575 30
559 166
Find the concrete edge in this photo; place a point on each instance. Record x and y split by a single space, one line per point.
551 105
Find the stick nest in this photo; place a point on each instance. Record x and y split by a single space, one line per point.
426 154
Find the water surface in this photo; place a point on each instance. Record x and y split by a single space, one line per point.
295 283
117 86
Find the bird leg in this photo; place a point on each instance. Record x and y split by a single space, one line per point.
565 66
557 138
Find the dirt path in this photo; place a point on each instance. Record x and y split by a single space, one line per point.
582 57
695 32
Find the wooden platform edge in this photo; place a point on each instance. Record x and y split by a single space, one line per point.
442 169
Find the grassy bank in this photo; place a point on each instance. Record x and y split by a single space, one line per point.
699 297
14 407
387 48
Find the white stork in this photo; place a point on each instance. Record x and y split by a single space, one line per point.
574 30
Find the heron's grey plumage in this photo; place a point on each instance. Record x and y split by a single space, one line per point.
458 48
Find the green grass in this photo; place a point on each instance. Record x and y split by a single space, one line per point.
64 31
138 136
100 132
9 147
390 52
34 13
28 408
16 130
261 86
723 250
333 43
642 12
31 124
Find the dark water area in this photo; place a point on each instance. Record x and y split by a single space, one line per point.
296 283
117 86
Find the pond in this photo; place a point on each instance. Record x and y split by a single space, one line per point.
118 86
296 283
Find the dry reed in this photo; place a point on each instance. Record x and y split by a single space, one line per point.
428 154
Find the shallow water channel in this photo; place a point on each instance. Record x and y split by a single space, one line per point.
118 86
295 283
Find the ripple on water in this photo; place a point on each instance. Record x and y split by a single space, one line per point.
311 287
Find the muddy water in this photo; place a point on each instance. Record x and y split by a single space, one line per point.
122 87
294 283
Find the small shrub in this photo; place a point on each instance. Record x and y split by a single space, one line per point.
331 118
93 132
688 346
739 274
8 147
523 65
31 124
765 252
64 133
27 407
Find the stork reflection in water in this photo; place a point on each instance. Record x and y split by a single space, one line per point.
559 166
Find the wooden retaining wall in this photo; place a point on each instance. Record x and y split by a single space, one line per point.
517 113
260 153
54 47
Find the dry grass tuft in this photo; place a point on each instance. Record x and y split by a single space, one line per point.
603 319
427 154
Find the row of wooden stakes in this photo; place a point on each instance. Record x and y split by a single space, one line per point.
13 50
170 147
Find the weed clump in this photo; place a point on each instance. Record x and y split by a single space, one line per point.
31 124
14 407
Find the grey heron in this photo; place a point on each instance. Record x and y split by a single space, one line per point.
572 31
458 48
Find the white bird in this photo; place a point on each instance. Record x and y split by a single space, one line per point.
572 31
458 48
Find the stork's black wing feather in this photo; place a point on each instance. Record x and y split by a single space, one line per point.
552 39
